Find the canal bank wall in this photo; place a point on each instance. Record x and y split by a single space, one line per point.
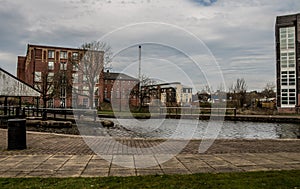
246 118
263 118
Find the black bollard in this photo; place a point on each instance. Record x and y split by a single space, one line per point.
16 134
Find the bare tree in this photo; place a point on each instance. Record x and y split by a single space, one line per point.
52 85
49 84
269 90
239 90
146 84
205 94
90 67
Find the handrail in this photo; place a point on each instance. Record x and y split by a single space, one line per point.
193 109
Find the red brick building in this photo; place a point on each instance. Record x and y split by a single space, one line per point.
43 66
121 89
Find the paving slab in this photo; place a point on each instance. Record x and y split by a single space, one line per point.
123 172
52 155
141 172
90 166
235 159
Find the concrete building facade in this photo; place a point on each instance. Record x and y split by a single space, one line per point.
287 34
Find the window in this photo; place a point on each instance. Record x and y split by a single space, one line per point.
75 67
38 76
288 78
63 66
284 96
287 59
50 54
63 92
105 93
44 55
63 54
85 102
75 77
287 38
75 89
62 102
283 59
50 103
96 101
75 55
63 79
288 97
118 95
291 59
284 78
288 66
50 90
50 77
292 78
50 65
85 90
85 78
123 93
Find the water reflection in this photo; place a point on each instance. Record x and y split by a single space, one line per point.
185 129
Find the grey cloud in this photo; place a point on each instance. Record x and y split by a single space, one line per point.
13 30
239 33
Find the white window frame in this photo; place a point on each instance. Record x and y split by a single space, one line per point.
51 53
63 66
75 55
63 54
51 65
50 77
75 77
37 76
288 67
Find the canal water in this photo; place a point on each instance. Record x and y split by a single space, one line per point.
197 129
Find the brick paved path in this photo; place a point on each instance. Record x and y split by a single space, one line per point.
52 155
49 143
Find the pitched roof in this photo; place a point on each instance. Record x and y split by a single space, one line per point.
118 76
12 86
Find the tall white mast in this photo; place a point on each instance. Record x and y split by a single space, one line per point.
140 77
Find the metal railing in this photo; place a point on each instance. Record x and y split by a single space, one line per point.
197 111
16 111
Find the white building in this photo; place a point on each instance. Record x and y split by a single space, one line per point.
181 94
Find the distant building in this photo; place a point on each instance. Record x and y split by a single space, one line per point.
170 94
287 32
121 89
43 62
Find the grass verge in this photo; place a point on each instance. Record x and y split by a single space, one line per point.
272 179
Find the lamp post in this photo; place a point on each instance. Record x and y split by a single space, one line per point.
140 79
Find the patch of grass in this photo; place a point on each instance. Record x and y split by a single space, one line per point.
272 179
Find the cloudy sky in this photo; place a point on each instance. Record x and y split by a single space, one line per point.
197 42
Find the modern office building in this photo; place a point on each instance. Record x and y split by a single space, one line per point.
287 33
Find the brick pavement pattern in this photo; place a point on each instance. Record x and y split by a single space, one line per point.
53 155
